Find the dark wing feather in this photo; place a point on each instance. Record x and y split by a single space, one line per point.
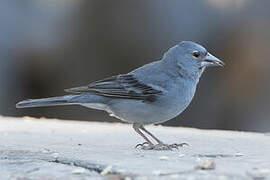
121 86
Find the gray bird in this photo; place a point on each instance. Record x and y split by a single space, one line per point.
151 94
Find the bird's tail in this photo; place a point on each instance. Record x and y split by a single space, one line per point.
53 101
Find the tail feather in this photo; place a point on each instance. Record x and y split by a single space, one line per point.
53 101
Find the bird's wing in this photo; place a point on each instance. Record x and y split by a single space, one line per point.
121 86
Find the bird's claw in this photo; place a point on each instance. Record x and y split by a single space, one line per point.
143 145
160 146
176 146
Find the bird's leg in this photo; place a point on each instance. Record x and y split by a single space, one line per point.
161 145
150 134
136 127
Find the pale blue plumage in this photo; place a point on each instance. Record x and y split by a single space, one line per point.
154 93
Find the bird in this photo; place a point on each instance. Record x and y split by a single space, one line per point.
151 94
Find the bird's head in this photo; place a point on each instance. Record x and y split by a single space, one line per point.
191 59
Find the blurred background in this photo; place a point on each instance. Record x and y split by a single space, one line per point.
49 45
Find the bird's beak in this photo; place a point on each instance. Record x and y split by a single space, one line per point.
210 60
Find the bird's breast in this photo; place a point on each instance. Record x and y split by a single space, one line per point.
177 98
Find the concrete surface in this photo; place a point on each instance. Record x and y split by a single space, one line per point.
52 149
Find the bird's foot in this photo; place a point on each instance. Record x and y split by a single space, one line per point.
176 146
160 146
145 146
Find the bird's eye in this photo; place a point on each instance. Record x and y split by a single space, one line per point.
196 54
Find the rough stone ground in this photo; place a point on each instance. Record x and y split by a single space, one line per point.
52 149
